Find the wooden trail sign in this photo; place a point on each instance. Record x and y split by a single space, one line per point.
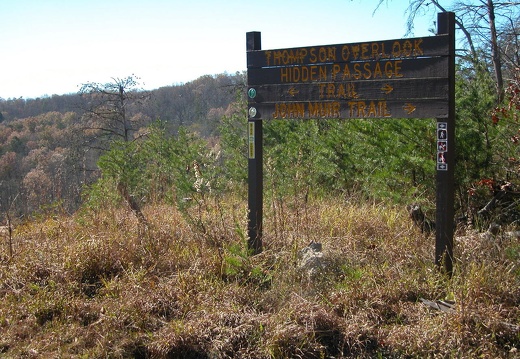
402 78
405 78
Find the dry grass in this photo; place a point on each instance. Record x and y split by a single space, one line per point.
89 286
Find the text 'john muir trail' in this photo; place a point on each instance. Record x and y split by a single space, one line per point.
334 109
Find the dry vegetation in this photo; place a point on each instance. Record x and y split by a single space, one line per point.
89 286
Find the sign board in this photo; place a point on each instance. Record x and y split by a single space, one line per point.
401 78
405 78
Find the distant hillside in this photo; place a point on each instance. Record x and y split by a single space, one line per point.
182 104
43 159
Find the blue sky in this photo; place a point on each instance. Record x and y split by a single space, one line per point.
53 46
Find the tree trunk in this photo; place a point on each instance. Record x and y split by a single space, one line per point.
133 204
495 52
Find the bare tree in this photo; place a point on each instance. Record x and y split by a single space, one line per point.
107 121
510 46
480 22
106 115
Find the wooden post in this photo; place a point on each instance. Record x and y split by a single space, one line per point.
446 159
255 162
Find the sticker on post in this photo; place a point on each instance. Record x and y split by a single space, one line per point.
442 166
441 161
251 131
251 150
442 146
442 131
441 157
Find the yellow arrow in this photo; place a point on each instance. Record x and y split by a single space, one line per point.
409 108
292 91
387 89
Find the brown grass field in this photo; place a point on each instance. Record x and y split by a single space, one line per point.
94 285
